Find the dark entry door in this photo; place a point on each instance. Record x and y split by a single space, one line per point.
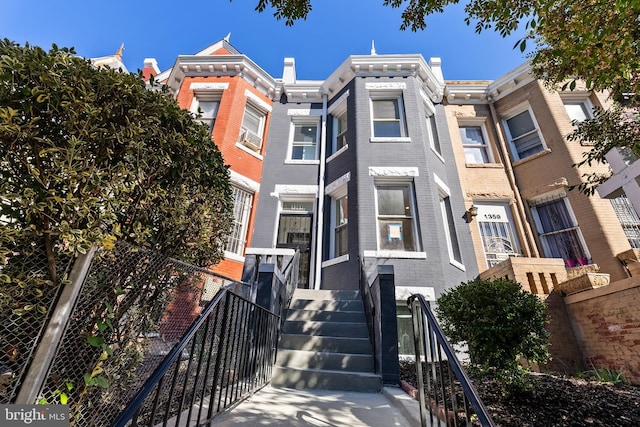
294 232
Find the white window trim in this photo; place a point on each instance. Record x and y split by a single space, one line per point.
336 190
395 254
241 185
264 109
577 98
432 134
382 181
500 204
389 93
480 122
444 192
337 109
512 113
301 120
553 196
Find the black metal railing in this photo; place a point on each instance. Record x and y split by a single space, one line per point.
226 354
445 391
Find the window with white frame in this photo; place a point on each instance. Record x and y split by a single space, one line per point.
476 150
340 123
524 135
450 228
205 106
628 218
387 112
496 230
340 225
242 201
252 127
578 109
304 141
396 217
434 141
559 231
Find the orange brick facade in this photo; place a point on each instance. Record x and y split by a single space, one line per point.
230 73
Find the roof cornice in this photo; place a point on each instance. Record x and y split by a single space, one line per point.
473 92
220 65
367 66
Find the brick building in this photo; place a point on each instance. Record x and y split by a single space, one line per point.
385 162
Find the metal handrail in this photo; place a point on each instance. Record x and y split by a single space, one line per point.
256 315
427 329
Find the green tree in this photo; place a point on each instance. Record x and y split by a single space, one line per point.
89 156
593 41
500 323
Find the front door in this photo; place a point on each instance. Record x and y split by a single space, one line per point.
294 232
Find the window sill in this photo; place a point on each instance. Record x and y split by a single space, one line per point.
395 254
394 139
301 162
249 150
337 153
336 260
532 157
457 265
232 256
485 165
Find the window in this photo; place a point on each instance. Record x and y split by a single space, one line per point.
497 235
577 110
388 117
449 225
523 135
628 219
241 209
475 148
207 108
341 131
559 232
396 218
341 220
434 141
304 144
252 127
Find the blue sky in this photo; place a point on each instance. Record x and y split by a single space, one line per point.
334 30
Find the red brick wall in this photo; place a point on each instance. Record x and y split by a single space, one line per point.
606 322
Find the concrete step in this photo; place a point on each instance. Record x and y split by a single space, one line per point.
326 294
326 316
325 379
327 305
322 360
325 344
326 329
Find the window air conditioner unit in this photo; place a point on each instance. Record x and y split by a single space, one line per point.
251 140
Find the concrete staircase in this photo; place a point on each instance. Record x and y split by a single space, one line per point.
325 344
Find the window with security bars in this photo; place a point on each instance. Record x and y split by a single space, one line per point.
559 232
241 209
628 218
498 241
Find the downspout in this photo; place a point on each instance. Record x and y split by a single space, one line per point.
530 248
320 221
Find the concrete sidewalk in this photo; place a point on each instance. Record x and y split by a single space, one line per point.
301 408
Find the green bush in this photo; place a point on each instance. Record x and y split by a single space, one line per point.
500 323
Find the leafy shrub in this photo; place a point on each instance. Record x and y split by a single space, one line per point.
500 322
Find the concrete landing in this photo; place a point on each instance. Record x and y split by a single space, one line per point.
323 408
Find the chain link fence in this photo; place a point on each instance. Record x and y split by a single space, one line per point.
27 298
133 307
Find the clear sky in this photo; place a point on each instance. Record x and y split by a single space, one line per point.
334 30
